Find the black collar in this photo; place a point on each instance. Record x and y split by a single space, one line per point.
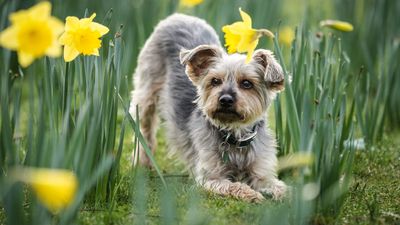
229 137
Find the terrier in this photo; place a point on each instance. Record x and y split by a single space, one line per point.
213 105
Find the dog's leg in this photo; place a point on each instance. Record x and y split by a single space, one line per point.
235 189
273 187
148 124
264 178
149 79
210 173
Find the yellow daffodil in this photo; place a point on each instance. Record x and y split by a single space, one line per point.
286 36
241 37
81 36
337 25
190 3
55 188
33 33
295 160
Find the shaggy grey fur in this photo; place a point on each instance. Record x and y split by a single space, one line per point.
169 80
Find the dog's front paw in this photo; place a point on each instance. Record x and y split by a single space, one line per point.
244 192
253 197
257 198
277 190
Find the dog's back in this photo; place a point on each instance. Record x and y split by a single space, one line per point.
160 80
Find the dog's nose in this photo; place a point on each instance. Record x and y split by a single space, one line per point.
226 100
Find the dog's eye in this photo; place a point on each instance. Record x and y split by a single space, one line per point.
246 84
216 82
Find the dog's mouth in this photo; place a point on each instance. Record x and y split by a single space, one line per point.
227 115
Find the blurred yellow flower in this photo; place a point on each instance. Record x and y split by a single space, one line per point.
337 25
55 188
286 36
81 36
241 37
295 160
190 3
33 33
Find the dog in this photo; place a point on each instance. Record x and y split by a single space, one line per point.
213 105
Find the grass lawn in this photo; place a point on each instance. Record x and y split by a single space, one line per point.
374 197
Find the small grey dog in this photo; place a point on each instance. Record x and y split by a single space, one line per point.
213 105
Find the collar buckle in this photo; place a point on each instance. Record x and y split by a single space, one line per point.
245 141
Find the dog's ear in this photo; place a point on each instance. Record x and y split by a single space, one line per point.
269 69
199 60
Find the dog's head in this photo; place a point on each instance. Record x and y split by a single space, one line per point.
232 93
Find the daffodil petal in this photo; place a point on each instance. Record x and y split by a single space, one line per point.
70 53
247 41
245 17
17 17
249 55
56 25
92 17
237 28
250 51
25 59
85 22
41 10
64 38
8 38
95 52
71 23
54 50
99 28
